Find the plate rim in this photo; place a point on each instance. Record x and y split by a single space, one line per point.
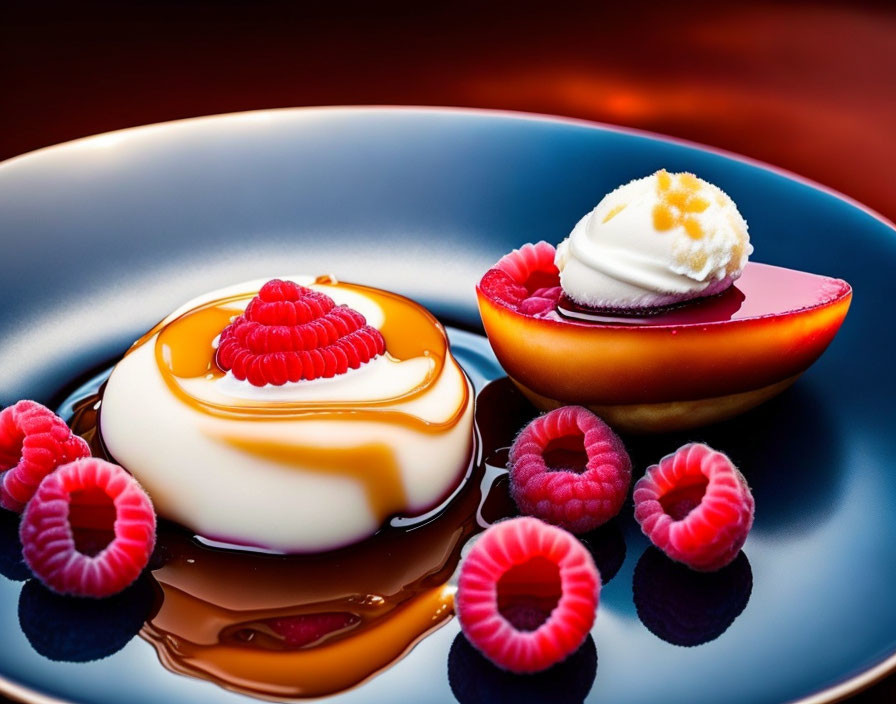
829 695
520 115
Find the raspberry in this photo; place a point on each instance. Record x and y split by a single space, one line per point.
526 280
502 288
527 594
305 629
531 265
289 333
696 507
541 302
689 608
474 680
69 629
568 468
33 442
89 530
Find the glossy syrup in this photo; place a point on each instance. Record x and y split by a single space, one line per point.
290 627
218 614
221 613
762 290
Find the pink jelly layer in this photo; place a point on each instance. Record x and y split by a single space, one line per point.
762 290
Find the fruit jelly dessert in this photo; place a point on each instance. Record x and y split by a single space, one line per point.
650 315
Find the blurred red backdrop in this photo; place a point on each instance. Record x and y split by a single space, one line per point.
809 86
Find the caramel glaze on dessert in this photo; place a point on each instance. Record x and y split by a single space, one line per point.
220 609
184 350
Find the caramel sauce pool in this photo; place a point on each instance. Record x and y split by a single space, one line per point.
218 608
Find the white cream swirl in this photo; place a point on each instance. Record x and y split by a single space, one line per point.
656 241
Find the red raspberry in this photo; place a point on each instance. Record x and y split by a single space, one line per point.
289 333
502 288
33 442
527 594
531 265
569 468
89 530
542 302
696 507
526 280
305 629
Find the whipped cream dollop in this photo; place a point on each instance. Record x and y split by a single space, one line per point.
656 241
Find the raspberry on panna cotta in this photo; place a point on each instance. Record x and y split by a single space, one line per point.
295 415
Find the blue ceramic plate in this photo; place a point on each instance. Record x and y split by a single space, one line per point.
104 236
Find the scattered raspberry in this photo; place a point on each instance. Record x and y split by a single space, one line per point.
689 608
69 629
524 566
696 507
475 680
33 442
305 629
568 468
289 333
89 530
526 280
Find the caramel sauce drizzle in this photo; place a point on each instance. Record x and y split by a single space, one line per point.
372 465
184 349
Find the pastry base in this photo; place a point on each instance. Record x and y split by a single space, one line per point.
671 415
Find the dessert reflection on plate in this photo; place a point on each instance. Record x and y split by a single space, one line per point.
305 626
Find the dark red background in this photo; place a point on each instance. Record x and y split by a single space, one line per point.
809 86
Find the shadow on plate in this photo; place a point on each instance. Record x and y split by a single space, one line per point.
607 546
70 629
689 608
501 412
789 449
12 566
475 680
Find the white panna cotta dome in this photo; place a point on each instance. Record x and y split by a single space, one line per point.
656 241
305 466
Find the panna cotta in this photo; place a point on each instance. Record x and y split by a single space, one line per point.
215 414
